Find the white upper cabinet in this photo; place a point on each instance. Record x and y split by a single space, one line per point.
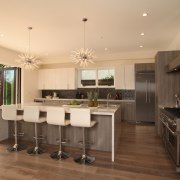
45 79
119 77
125 77
64 78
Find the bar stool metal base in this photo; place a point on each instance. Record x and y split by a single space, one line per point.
59 155
16 147
84 159
35 151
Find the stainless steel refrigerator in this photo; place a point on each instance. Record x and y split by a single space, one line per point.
145 96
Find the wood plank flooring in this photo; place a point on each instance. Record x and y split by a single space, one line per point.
140 156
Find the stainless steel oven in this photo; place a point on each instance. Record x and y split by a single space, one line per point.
170 132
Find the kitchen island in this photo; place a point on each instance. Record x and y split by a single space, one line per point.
104 134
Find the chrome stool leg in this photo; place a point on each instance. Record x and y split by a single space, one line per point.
60 154
16 146
84 159
35 150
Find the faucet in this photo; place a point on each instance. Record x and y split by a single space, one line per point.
108 97
177 100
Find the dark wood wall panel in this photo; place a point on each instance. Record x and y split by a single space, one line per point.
167 84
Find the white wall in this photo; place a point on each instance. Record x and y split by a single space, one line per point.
175 44
29 78
7 56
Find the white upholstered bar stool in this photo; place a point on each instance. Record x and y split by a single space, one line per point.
56 116
9 112
32 114
81 117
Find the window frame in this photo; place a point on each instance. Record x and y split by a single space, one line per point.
17 85
96 81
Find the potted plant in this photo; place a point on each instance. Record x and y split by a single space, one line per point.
90 98
95 99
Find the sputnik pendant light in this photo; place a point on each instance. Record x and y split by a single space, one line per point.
83 56
28 61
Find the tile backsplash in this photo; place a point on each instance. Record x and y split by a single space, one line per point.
82 93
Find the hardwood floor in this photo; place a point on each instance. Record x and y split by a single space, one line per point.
140 156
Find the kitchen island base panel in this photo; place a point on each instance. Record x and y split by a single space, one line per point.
100 135
103 134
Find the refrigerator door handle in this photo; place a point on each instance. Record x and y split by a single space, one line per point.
149 91
146 91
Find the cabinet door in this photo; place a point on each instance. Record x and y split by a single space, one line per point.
129 76
57 79
145 67
49 77
125 77
71 78
119 77
63 78
46 79
128 111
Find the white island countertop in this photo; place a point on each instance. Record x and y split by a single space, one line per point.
100 110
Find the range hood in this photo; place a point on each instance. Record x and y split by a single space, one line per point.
174 65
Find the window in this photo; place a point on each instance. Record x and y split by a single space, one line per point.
96 77
10 85
105 77
88 77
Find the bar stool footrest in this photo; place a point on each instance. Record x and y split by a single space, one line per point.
16 147
58 155
35 151
84 159
39 138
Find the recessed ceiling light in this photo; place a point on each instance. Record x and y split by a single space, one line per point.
1 35
144 14
105 49
142 34
141 46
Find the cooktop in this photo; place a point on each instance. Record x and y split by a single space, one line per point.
173 111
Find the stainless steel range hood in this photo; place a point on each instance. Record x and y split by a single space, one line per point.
174 65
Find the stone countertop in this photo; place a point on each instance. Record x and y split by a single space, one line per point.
83 100
100 110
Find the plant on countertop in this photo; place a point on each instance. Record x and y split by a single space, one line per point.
90 95
95 96
74 102
95 99
92 99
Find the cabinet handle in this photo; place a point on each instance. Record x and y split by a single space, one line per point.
146 90
149 91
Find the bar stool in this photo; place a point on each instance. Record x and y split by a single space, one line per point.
56 116
9 112
32 114
81 117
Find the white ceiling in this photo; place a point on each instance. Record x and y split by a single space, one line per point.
113 24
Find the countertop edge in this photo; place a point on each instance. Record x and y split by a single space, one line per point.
103 100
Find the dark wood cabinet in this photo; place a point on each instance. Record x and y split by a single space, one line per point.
145 67
128 111
167 84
